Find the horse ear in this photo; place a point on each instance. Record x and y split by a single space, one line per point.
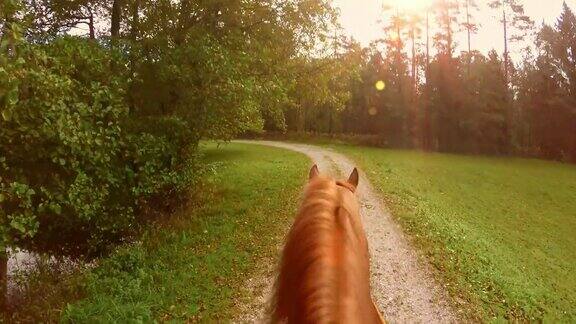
313 172
354 178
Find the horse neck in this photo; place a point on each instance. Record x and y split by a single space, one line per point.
324 274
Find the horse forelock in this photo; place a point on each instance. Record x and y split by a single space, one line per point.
346 185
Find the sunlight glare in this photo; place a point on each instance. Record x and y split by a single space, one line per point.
410 5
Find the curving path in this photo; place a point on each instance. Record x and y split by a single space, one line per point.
402 284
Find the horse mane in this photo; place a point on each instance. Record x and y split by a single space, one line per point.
306 287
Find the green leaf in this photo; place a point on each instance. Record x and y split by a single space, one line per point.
56 208
6 115
19 226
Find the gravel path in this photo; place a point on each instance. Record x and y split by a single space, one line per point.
402 284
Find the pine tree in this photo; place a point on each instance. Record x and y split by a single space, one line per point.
564 49
470 26
515 26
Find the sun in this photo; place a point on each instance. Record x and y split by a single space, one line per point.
409 5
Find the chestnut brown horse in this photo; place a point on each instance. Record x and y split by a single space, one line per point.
325 269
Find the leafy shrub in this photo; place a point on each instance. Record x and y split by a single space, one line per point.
95 134
75 164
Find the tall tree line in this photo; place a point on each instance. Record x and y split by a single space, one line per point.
467 102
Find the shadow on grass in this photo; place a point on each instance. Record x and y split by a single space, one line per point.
214 152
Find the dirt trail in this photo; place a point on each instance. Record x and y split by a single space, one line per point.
402 285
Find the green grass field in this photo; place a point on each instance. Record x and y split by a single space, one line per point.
501 231
193 267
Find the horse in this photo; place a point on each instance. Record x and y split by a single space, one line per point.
324 272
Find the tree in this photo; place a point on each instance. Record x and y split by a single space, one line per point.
134 24
547 88
444 85
414 30
563 49
393 39
493 136
446 16
116 18
427 123
50 18
515 26
8 40
321 89
470 26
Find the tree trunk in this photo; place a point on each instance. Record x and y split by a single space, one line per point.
398 51
301 120
413 37
3 280
505 44
91 26
468 27
134 31
426 140
414 118
135 20
448 32
330 123
116 18
427 42
573 160
506 60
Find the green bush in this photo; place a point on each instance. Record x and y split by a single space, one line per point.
77 165
97 133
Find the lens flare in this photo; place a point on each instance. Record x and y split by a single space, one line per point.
393 35
380 85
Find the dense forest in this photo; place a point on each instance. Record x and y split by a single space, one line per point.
432 98
103 103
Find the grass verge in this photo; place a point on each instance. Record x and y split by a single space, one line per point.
500 231
193 266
